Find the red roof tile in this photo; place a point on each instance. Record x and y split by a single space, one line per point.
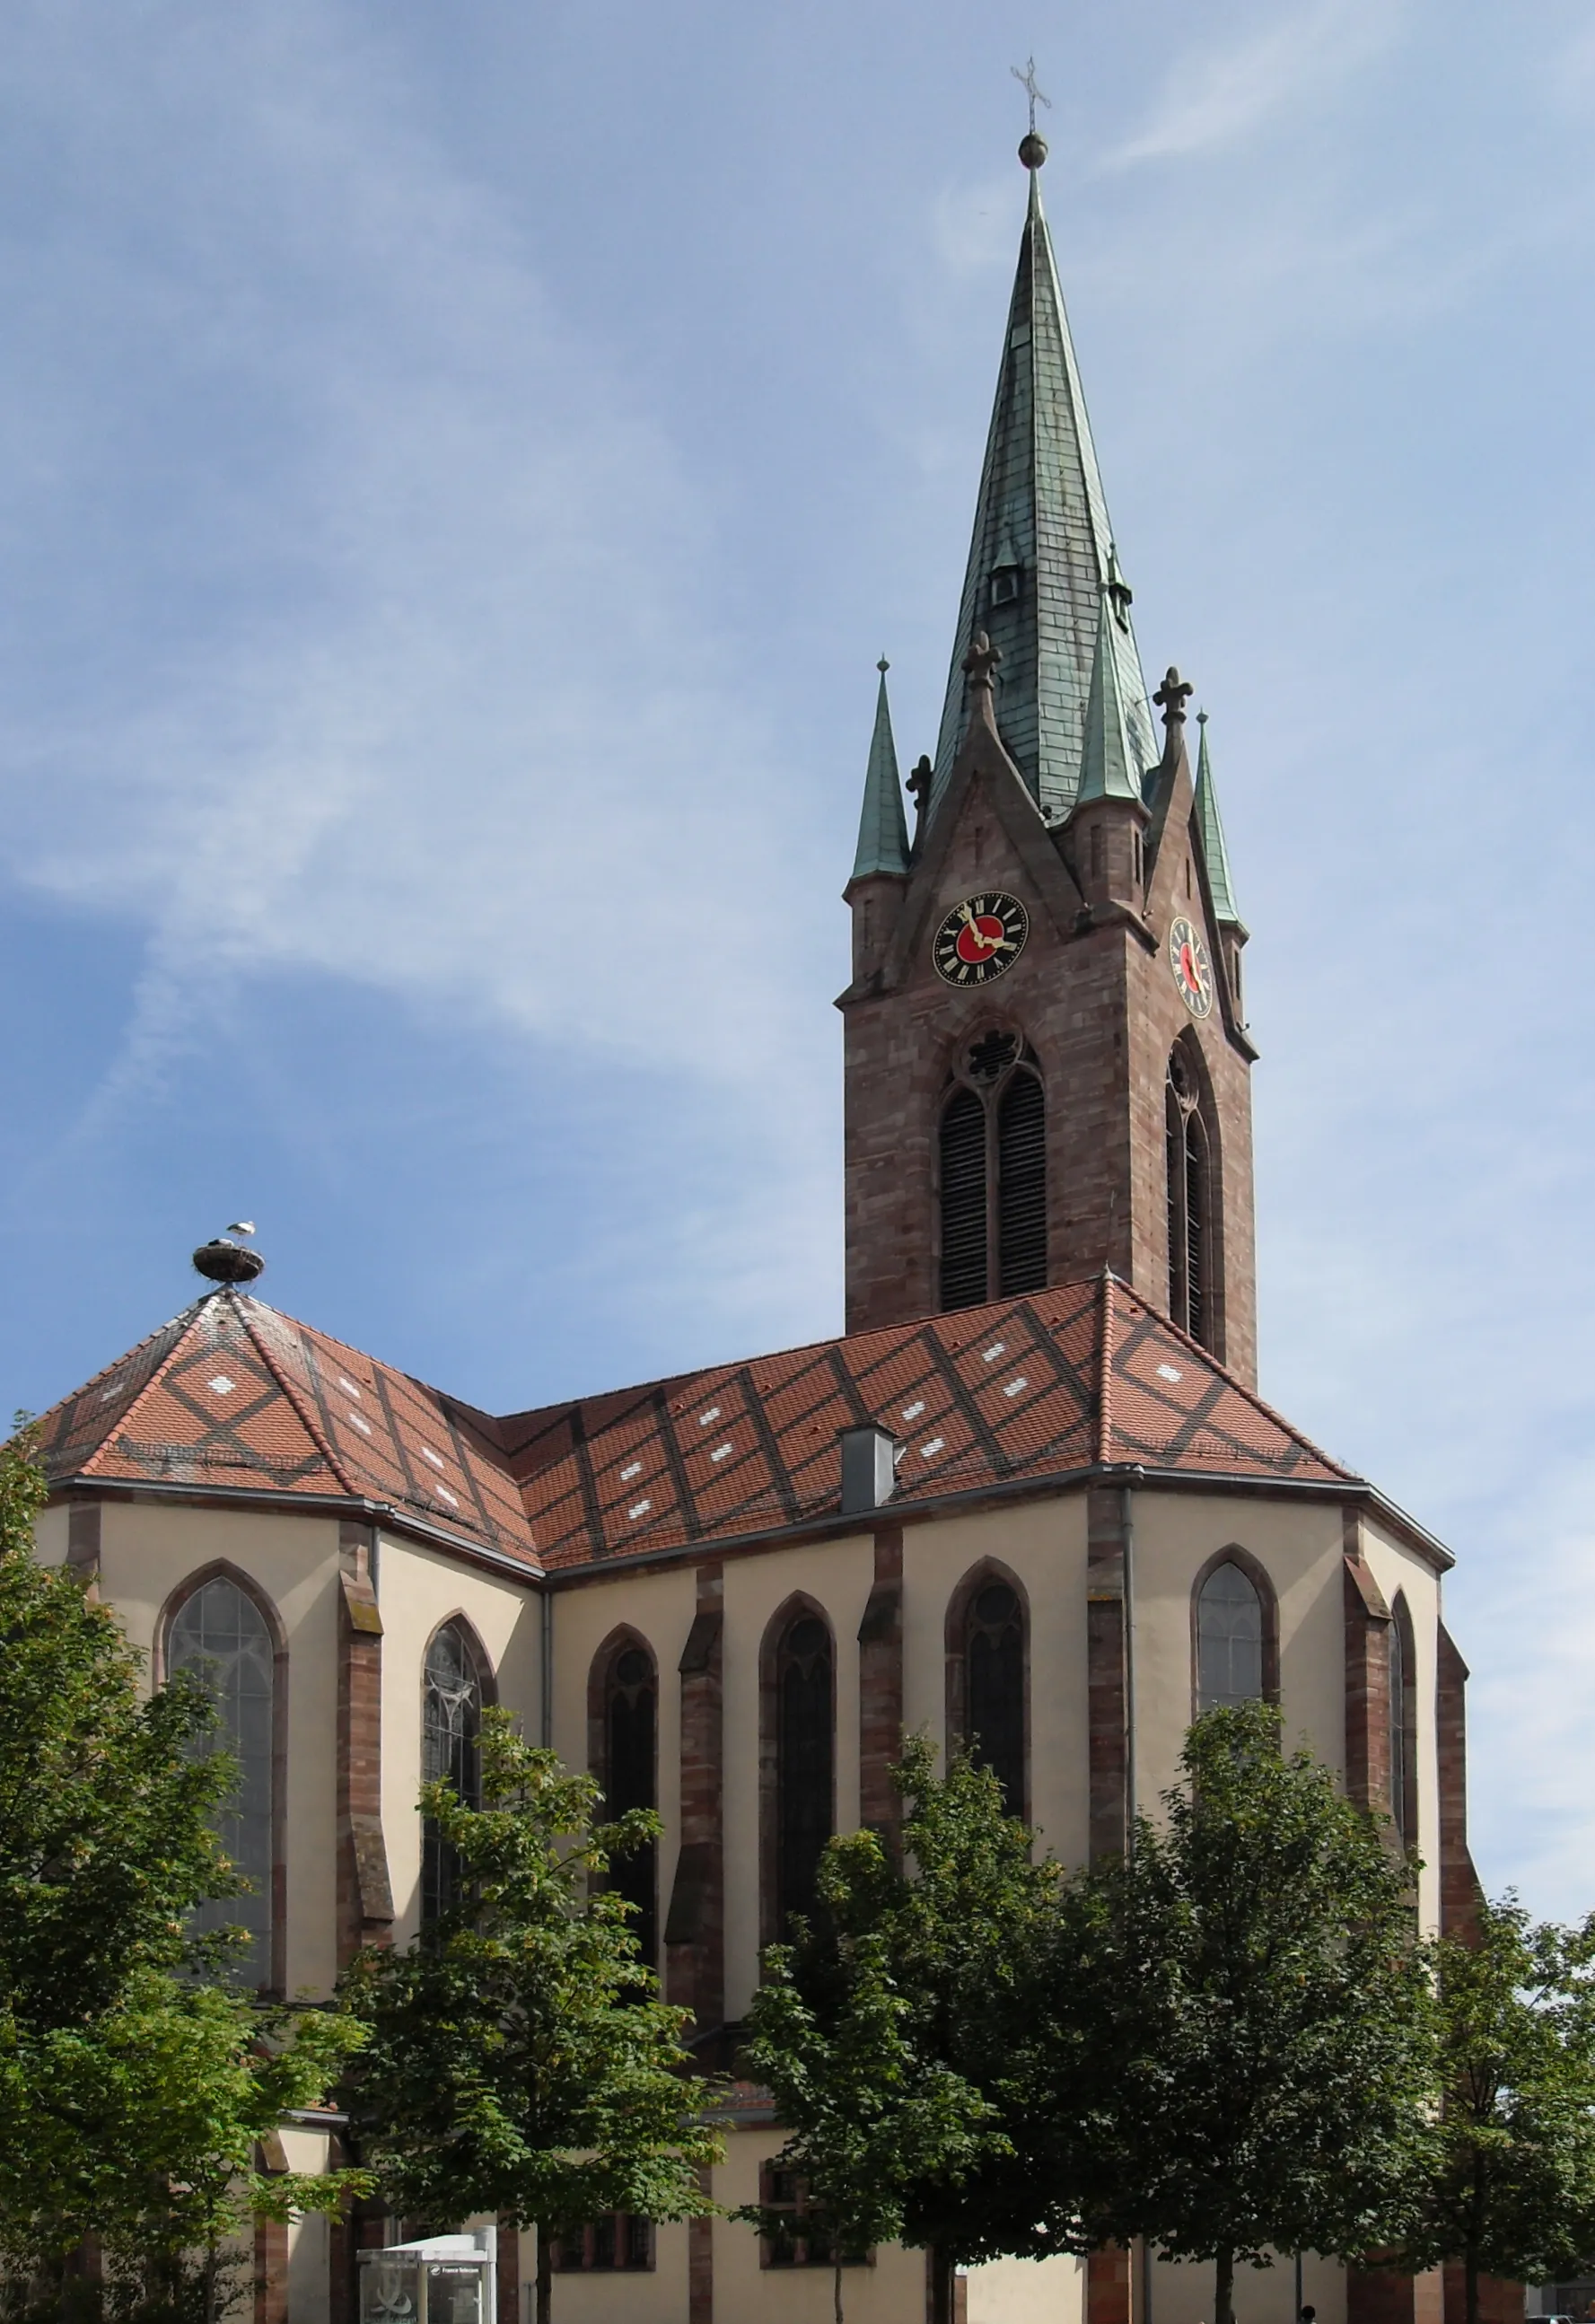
233 1396
1042 1386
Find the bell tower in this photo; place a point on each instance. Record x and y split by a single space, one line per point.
1046 1062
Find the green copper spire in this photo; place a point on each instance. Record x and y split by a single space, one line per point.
1214 854
883 828
1108 765
1042 550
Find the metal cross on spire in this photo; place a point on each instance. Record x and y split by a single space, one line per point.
1027 82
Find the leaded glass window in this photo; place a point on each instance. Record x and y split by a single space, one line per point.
451 1728
630 1777
1228 1639
220 1635
805 1746
994 1668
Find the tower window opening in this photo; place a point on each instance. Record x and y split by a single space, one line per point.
992 1149
1187 1163
1135 845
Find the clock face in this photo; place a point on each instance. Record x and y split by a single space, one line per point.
1193 971
980 938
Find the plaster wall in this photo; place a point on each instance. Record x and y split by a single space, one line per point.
418 1589
1299 1547
148 1549
50 1535
1042 1543
888 2289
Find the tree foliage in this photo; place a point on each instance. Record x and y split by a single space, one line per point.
953 1934
518 2061
1510 2184
133 2085
1252 2006
869 2116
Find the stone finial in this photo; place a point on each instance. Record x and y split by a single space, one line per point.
919 783
1172 697
981 660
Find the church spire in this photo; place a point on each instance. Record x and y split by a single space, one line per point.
883 829
1109 768
1041 552
1214 854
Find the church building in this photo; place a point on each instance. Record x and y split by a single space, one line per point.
1030 1498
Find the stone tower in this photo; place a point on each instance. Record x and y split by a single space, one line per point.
1047 1064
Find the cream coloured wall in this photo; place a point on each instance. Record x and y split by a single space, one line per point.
838 1575
1044 1544
1182 2292
1401 1571
1298 1543
50 1535
147 1549
658 1606
655 2295
1026 2291
890 2289
417 1590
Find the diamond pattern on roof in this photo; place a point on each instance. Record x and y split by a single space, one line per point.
981 1397
236 1397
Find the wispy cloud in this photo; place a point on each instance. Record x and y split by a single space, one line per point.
1215 99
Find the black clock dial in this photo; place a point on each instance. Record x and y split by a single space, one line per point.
980 938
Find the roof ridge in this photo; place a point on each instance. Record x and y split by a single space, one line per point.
1257 1403
116 1363
311 1425
1105 1371
192 1314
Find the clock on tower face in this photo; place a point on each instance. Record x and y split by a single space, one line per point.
980 938
1193 971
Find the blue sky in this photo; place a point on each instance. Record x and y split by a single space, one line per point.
459 471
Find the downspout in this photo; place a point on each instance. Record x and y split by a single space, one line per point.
1127 1540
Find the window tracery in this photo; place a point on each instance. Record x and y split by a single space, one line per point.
220 1636
451 1730
994 1685
1230 1639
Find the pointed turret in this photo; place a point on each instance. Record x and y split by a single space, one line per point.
1041 552
883 828
1109 768
1214 854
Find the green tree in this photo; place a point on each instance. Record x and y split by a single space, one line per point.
1252 2012
1510 2187
867 2115
518 2061
131 2090
960 1923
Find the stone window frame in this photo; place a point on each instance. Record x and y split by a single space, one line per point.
797 1607
274 1986
1257 1574
1404 1814
1186 1046
487 1687
625 1638
956 1642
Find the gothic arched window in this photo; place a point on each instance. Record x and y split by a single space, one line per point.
1404 1789
220 1635
992 1151
1230 1638
805 1760
451 1731
991 1715
628 1771
1189 1162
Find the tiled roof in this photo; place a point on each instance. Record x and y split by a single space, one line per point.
233 1396
1032 1388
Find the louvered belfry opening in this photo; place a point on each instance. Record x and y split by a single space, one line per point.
1190 1201
993 1175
